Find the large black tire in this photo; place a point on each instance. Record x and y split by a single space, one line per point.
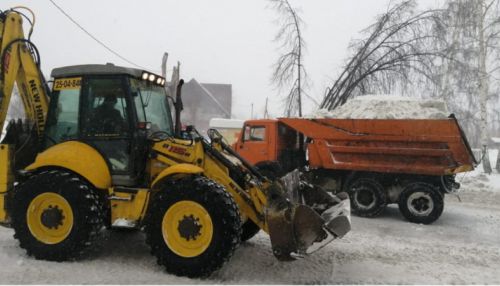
249 230
367 196
224 215
421 203
81 197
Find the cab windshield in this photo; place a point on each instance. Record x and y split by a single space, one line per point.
152 105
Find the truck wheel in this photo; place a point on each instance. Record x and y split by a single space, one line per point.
367 197
193 226
56 216
248 230
421 203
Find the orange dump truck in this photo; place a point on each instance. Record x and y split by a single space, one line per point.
411 162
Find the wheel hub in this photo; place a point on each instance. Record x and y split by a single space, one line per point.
189 227
365 198
49 217
420 203
52 217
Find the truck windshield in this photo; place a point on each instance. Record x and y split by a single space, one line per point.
152 105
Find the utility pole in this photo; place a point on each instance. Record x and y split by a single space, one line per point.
164 65
266 112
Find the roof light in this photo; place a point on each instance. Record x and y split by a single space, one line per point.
152 77
159 80
145 75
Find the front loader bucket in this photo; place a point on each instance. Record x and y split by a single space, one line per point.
302 218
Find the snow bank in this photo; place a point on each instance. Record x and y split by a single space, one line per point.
478 181
387 107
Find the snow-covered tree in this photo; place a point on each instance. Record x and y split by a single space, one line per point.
289 72
397 51
469 73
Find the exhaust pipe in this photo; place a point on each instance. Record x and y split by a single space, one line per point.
178 108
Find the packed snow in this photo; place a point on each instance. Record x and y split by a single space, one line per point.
387 107
462 247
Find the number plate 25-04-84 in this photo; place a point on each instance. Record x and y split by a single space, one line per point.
67 83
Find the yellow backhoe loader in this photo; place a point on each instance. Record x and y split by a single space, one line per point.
99 149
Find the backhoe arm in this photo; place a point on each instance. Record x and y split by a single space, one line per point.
19 63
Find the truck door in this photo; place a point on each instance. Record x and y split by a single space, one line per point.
254 143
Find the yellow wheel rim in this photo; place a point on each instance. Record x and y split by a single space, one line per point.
50 218
187 228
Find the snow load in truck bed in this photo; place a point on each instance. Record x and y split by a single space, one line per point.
387 107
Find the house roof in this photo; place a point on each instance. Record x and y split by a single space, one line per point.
222 92
219 94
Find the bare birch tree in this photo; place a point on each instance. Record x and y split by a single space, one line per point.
398 51
289 72
471 74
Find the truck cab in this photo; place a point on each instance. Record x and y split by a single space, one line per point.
271 145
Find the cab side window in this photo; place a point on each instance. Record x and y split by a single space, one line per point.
255 133
62 122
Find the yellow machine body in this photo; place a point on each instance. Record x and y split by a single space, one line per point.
128 207
77 157
175 153
190 195
5 178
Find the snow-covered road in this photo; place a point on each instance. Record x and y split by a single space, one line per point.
462 247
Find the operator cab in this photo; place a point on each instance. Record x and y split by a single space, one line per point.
109 107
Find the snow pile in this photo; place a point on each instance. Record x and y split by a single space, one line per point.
479 181
387 107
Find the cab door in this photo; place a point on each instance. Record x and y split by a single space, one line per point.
254 143
107 124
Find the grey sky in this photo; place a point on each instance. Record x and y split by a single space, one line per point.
218 41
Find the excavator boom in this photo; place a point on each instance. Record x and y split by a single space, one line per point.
19 64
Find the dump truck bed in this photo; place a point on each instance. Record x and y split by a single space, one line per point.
414 146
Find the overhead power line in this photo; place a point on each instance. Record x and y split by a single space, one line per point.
94 38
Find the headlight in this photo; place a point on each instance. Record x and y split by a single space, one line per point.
153 78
